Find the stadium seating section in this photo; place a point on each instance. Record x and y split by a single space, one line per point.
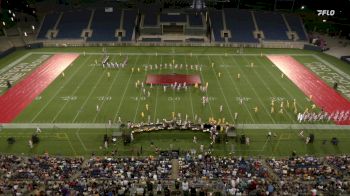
48 23
272 24
216 25
241 25
129 21
195 20
172 18
104 25
150 18
72 24
296 25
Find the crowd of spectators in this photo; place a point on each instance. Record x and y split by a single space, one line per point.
312 174
341 163
129 168
192 174
41 168
235 175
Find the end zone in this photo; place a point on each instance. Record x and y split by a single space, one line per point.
16 99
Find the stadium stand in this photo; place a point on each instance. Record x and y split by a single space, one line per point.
197 173
227 25
172 18
241 25
73 23
296 25
150 18
129 22
216 25
104 25
47 24
272 24
195 20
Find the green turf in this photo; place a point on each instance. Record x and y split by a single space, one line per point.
85 142
86 86
73 99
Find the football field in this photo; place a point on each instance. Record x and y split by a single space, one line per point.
243 82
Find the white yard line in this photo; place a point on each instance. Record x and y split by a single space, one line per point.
173 68
126 88
71 145
108 92
59 90
289 94
80 140
206 92
158 86
267 87
90 93
75 90
256 94
238 91
138 102
222 91
189 90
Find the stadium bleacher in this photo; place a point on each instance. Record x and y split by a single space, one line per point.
296 25
272 24
129 21
48 23
195 20
172 18
150 18
104 25
216 25
241 25
237 25
72 24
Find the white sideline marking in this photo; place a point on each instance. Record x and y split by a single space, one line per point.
58 91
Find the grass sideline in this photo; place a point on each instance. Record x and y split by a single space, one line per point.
85 142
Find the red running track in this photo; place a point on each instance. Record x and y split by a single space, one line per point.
164 79
322 95
16 99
